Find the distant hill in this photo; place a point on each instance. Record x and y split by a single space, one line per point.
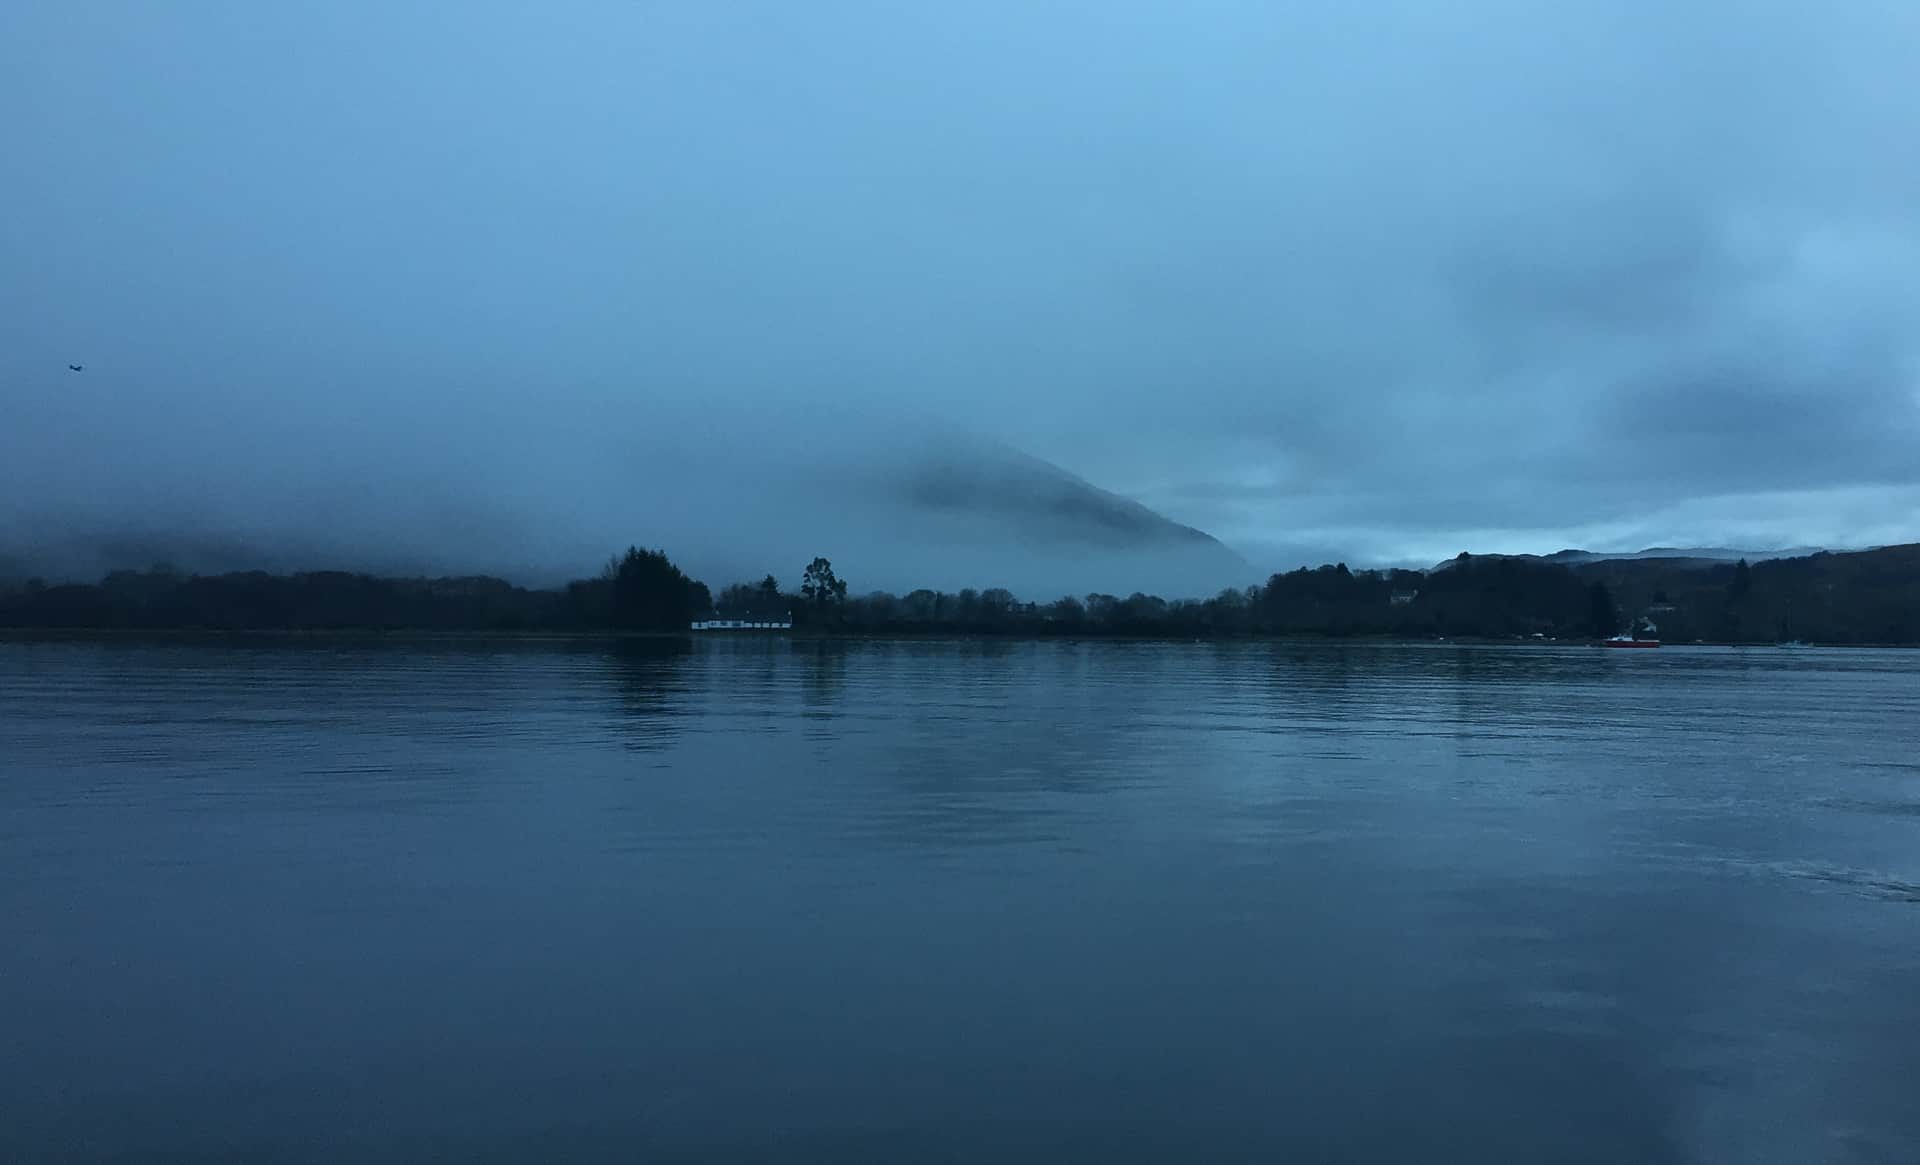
1036 499
947 510
1693 554
923 509
1838 597
1864 596
1687 556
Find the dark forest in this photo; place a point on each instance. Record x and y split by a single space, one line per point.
1868 597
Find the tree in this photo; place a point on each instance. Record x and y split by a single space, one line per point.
1069 612
769 589
1602 616
648 592
923 605
1742 580
820 587
739 598
880 607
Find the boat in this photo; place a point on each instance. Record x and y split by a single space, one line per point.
1628 641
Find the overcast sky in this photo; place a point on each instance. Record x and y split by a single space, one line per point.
1371 281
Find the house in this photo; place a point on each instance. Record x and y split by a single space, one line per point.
1402 598
746 621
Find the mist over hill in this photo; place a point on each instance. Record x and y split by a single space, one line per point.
929 507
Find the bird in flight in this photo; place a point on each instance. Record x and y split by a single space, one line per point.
75 367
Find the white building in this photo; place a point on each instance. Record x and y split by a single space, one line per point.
751 621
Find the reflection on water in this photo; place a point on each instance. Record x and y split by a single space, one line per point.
654 691
785 900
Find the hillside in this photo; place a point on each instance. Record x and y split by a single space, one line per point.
1036 499
954 511
1867 596
1683 556
923 508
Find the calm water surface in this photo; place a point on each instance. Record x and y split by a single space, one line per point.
890 902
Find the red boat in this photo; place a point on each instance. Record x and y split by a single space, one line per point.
1629 641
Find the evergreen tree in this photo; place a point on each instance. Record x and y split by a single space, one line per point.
1742 580
649 593
1602 616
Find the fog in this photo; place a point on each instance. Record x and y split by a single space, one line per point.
504 289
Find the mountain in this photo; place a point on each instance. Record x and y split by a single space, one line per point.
921 509
1697 554
1035 500
1863 596
1697 557
963 512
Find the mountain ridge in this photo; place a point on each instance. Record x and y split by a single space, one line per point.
1701 556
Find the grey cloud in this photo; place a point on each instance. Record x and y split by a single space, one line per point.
1328 281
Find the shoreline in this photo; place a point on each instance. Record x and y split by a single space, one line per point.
598 635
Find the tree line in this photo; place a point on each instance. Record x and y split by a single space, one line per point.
1868 597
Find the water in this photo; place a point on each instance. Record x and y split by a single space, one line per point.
758 900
